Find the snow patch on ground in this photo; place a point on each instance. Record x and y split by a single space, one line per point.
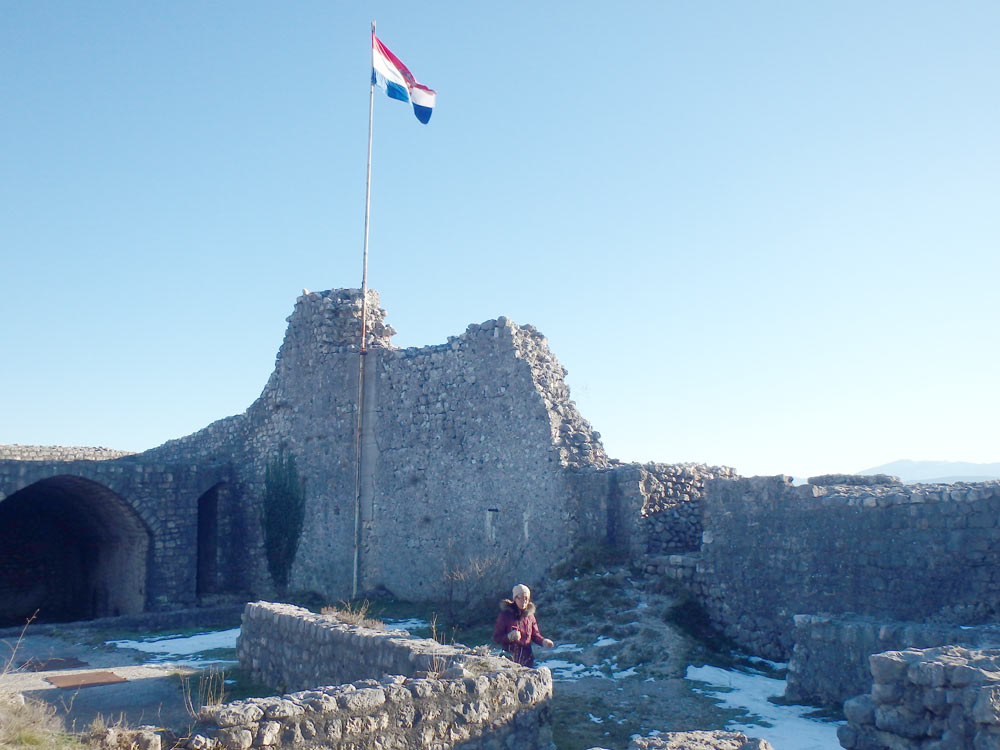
171 648
565 648
410 623
785 727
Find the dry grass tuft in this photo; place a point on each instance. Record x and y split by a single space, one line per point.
26 723
354 615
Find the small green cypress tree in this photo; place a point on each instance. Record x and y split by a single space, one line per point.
282 516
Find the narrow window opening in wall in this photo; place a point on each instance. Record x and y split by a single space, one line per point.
208 542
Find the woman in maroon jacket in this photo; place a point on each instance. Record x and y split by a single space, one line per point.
516 628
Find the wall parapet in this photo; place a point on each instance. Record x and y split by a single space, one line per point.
947 697
60 453
470 701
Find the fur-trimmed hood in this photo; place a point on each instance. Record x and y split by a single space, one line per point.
508 605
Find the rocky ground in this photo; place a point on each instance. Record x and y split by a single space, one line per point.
623 646
622 651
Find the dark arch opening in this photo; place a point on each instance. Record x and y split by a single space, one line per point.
70 549
208 542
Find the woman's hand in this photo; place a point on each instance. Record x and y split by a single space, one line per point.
514 636
547 643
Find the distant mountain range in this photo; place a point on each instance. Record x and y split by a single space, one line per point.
937 472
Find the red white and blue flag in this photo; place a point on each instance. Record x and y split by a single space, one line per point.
389 74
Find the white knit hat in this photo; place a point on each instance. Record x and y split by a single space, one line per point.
520 589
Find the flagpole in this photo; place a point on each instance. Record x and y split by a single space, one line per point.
364 323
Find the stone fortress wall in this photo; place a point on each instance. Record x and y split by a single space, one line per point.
468 448
474 454
368 689
770 551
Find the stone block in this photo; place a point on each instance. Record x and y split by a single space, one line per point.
887 692
237 714
986 709
860 710
236 738
268 734
936 700
927 673
900 722
888 667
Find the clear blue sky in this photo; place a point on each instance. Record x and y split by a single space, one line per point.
761 234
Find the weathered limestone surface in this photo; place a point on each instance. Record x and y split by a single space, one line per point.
469 701
830 660
944 698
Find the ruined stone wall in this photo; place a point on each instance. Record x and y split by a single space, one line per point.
669 519
59 453
830 661
944 698
468 451
474 439
475 703
917 552
476 464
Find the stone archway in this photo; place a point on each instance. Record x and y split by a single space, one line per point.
70 549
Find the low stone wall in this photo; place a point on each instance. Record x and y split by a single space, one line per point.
829 662
944 698
426 694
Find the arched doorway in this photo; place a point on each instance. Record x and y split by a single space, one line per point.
70 549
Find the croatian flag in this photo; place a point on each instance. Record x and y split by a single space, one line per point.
390 74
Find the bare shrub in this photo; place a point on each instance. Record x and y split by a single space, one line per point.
28 722
469 587
210 691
